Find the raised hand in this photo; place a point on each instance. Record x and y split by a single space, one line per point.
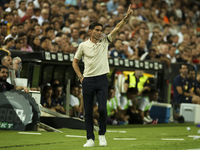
129 13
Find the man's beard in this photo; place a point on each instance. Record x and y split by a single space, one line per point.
2 80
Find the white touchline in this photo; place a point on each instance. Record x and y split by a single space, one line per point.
173 139
193 135
125 139
75 136
116 131
29 133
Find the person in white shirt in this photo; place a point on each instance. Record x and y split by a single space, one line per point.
22 8
44 16
171 54
11 6
13 32
94 79
184 30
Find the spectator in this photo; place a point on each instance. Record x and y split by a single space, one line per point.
11 6
13 32
75 36
1 40
37 13
184 30
50 33
22 8
171 54
3 27
45 24
152 55
7 61
112 5
17 66
25 46
5 86
18 44
44 16
37 29
181 88
44 43
9 42
28 15
20 27
117 52
58 40
35 43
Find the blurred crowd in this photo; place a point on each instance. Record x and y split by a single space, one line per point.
159 30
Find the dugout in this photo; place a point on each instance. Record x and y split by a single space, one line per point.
41 67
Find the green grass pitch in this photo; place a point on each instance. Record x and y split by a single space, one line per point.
148 137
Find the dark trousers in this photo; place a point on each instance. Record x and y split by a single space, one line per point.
98 85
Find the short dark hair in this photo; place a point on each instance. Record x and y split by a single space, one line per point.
44 23
48 29
3 67
153 90
21 1
12 26
152 50
56 86
182 64
20 24
132 91
18 40
2 24
47 88
111 87
94 24
43 39
22 34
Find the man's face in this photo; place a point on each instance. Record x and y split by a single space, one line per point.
46 43
4 30
191 75
3 74
184 70
45 14
75 91
1 40
12 4
8 62
29 11
96 33
16 65
14 31
172 51
58 92
22 6
20 29
75 33
118 44
48 94
51 34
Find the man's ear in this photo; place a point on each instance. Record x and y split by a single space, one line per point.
90 31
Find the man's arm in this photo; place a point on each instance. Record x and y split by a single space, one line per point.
77 69
180 91
18 88
120 25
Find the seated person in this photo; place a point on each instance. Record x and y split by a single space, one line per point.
112 111
57 92
193 83
75 104
4 85
128 108
48 102
181 87
143 106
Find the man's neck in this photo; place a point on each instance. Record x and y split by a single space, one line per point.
94 40
183 76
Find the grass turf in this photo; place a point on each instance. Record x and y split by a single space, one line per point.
148 137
